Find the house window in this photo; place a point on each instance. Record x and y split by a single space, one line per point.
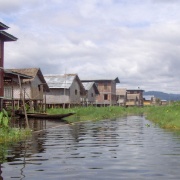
92 94
105 85
76 92
8 92
105 97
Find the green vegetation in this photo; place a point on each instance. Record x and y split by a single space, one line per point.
8 134
165 116
96 113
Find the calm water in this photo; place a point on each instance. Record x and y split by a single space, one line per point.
125 148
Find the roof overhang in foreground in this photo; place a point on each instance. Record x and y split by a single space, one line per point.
6 36
3 26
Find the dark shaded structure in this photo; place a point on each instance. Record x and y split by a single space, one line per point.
4 37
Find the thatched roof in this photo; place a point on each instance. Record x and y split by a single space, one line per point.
33 72
9 73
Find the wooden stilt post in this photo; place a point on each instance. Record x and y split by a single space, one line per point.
22 98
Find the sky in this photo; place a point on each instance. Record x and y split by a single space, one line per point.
137 41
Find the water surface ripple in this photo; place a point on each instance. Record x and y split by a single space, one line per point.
124 148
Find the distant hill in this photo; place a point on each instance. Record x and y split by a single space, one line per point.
164 96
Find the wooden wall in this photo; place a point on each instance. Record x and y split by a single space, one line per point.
1 70
107 88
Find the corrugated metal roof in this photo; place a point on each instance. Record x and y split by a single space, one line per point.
60 80
87 85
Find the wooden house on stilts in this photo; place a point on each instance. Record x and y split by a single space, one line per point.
33 89
91 93
4 37
107 91
66 90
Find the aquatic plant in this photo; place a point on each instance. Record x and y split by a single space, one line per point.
96 113
9 134
165 116
4 119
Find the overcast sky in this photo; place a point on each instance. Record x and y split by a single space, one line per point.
137 41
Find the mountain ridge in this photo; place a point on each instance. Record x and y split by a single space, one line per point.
163 96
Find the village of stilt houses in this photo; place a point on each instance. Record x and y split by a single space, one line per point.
30 87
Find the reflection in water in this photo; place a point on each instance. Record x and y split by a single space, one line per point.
112 149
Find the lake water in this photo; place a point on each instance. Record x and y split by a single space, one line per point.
123 148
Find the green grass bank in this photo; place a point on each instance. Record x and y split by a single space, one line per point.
165 116
97 113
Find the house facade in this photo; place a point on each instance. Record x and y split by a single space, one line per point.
91 93
4 37
66 90
11 80
134 97
149 100
32 88
107 91
121 95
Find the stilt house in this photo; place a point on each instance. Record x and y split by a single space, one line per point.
107 91
4 37
121 95
11 80
65 90
134 97
91 93
33 88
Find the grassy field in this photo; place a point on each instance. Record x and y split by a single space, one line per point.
165 116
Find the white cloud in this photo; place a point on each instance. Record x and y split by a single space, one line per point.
137 42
